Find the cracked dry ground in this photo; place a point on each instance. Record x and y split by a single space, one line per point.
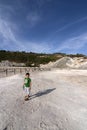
58 101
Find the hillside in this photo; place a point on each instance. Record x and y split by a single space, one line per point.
68 62
32 59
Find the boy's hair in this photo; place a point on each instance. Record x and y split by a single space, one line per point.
28 74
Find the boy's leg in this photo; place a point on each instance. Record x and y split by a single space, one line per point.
29 91
26 93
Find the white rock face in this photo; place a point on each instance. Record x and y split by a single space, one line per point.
7 63
62 63
67 62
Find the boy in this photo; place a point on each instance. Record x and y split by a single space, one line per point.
27 85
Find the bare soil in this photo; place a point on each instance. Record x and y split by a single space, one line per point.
58 101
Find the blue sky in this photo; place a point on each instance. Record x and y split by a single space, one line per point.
45 26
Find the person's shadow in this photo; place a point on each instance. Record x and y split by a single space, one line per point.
41 93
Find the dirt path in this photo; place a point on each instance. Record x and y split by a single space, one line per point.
58 101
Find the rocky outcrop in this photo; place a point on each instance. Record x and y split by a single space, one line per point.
67 62
63 62
7 63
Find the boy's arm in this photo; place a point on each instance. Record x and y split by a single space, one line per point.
30 85
23 84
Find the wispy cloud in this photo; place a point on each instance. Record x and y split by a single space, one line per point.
33 18
10 41
41 47
6 8
5 30
70 24
73 44
6 11
7 35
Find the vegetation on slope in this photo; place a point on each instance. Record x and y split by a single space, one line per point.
32 59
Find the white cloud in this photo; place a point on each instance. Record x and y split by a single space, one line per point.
70 24
10 41
8 32
74 44
8 36
38 47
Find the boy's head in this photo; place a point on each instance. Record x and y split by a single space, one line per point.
27 75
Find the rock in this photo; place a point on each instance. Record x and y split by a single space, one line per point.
67 62
62 63
7 63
